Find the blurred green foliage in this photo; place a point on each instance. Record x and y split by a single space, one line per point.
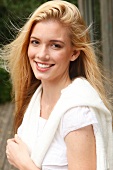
13 15
5 86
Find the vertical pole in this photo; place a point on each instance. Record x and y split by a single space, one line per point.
107 34
85 7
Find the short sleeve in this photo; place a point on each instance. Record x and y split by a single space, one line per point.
77 118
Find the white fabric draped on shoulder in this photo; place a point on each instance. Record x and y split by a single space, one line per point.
78 93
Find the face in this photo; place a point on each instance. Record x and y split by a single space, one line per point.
50 51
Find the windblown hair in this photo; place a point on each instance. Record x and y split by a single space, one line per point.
86 65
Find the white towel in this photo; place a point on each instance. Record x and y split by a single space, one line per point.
79 93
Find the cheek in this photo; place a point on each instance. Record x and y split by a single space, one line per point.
63 57
60 56
30 53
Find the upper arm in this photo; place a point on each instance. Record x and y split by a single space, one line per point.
81 149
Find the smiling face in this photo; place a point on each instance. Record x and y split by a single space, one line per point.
50 51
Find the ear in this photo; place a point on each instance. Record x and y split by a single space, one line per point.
75 55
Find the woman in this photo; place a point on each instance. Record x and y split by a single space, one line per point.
62 115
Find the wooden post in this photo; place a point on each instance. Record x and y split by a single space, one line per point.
107 34
85 7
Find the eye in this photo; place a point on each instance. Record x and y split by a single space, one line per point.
34 42
56 46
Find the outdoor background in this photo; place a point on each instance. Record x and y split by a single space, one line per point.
13 14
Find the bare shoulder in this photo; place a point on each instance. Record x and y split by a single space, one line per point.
81 149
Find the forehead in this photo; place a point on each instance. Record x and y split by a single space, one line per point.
50 28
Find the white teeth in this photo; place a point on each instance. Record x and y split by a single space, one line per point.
43 65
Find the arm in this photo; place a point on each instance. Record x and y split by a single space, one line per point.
18 154
81 149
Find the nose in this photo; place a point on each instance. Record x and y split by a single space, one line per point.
42 53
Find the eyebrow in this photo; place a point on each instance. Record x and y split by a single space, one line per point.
57 41
34 37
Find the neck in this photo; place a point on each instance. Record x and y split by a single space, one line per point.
50 95
52 91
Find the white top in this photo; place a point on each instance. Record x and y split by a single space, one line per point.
74 119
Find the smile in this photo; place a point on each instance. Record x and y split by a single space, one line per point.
44 65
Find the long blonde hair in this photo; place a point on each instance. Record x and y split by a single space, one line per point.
23 80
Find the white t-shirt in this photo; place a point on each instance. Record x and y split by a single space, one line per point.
74 119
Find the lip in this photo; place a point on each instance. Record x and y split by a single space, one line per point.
43 67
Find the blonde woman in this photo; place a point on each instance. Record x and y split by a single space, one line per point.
62 117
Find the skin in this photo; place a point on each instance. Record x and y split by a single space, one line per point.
50 52
81 149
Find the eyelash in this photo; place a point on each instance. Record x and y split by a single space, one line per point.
56 45
35 42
